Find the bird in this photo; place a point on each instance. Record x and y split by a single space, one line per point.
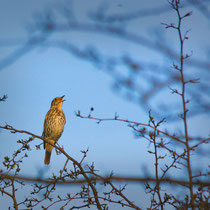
53 126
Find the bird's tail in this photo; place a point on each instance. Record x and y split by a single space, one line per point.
47 157
48 148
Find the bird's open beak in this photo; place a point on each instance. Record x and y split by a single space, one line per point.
62 98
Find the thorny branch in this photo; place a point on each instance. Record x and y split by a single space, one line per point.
129 124
176 6
62 151
106 179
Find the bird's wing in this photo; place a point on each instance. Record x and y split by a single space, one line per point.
46 130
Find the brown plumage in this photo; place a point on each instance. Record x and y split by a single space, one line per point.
53 126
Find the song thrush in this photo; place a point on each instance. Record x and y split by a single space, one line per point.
53 126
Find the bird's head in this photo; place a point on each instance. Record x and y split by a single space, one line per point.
57 102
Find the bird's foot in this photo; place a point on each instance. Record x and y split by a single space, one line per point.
61 148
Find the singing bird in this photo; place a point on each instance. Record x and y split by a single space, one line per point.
53 126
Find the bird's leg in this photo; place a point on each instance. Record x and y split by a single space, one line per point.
60 147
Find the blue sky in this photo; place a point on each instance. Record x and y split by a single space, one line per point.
35 79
